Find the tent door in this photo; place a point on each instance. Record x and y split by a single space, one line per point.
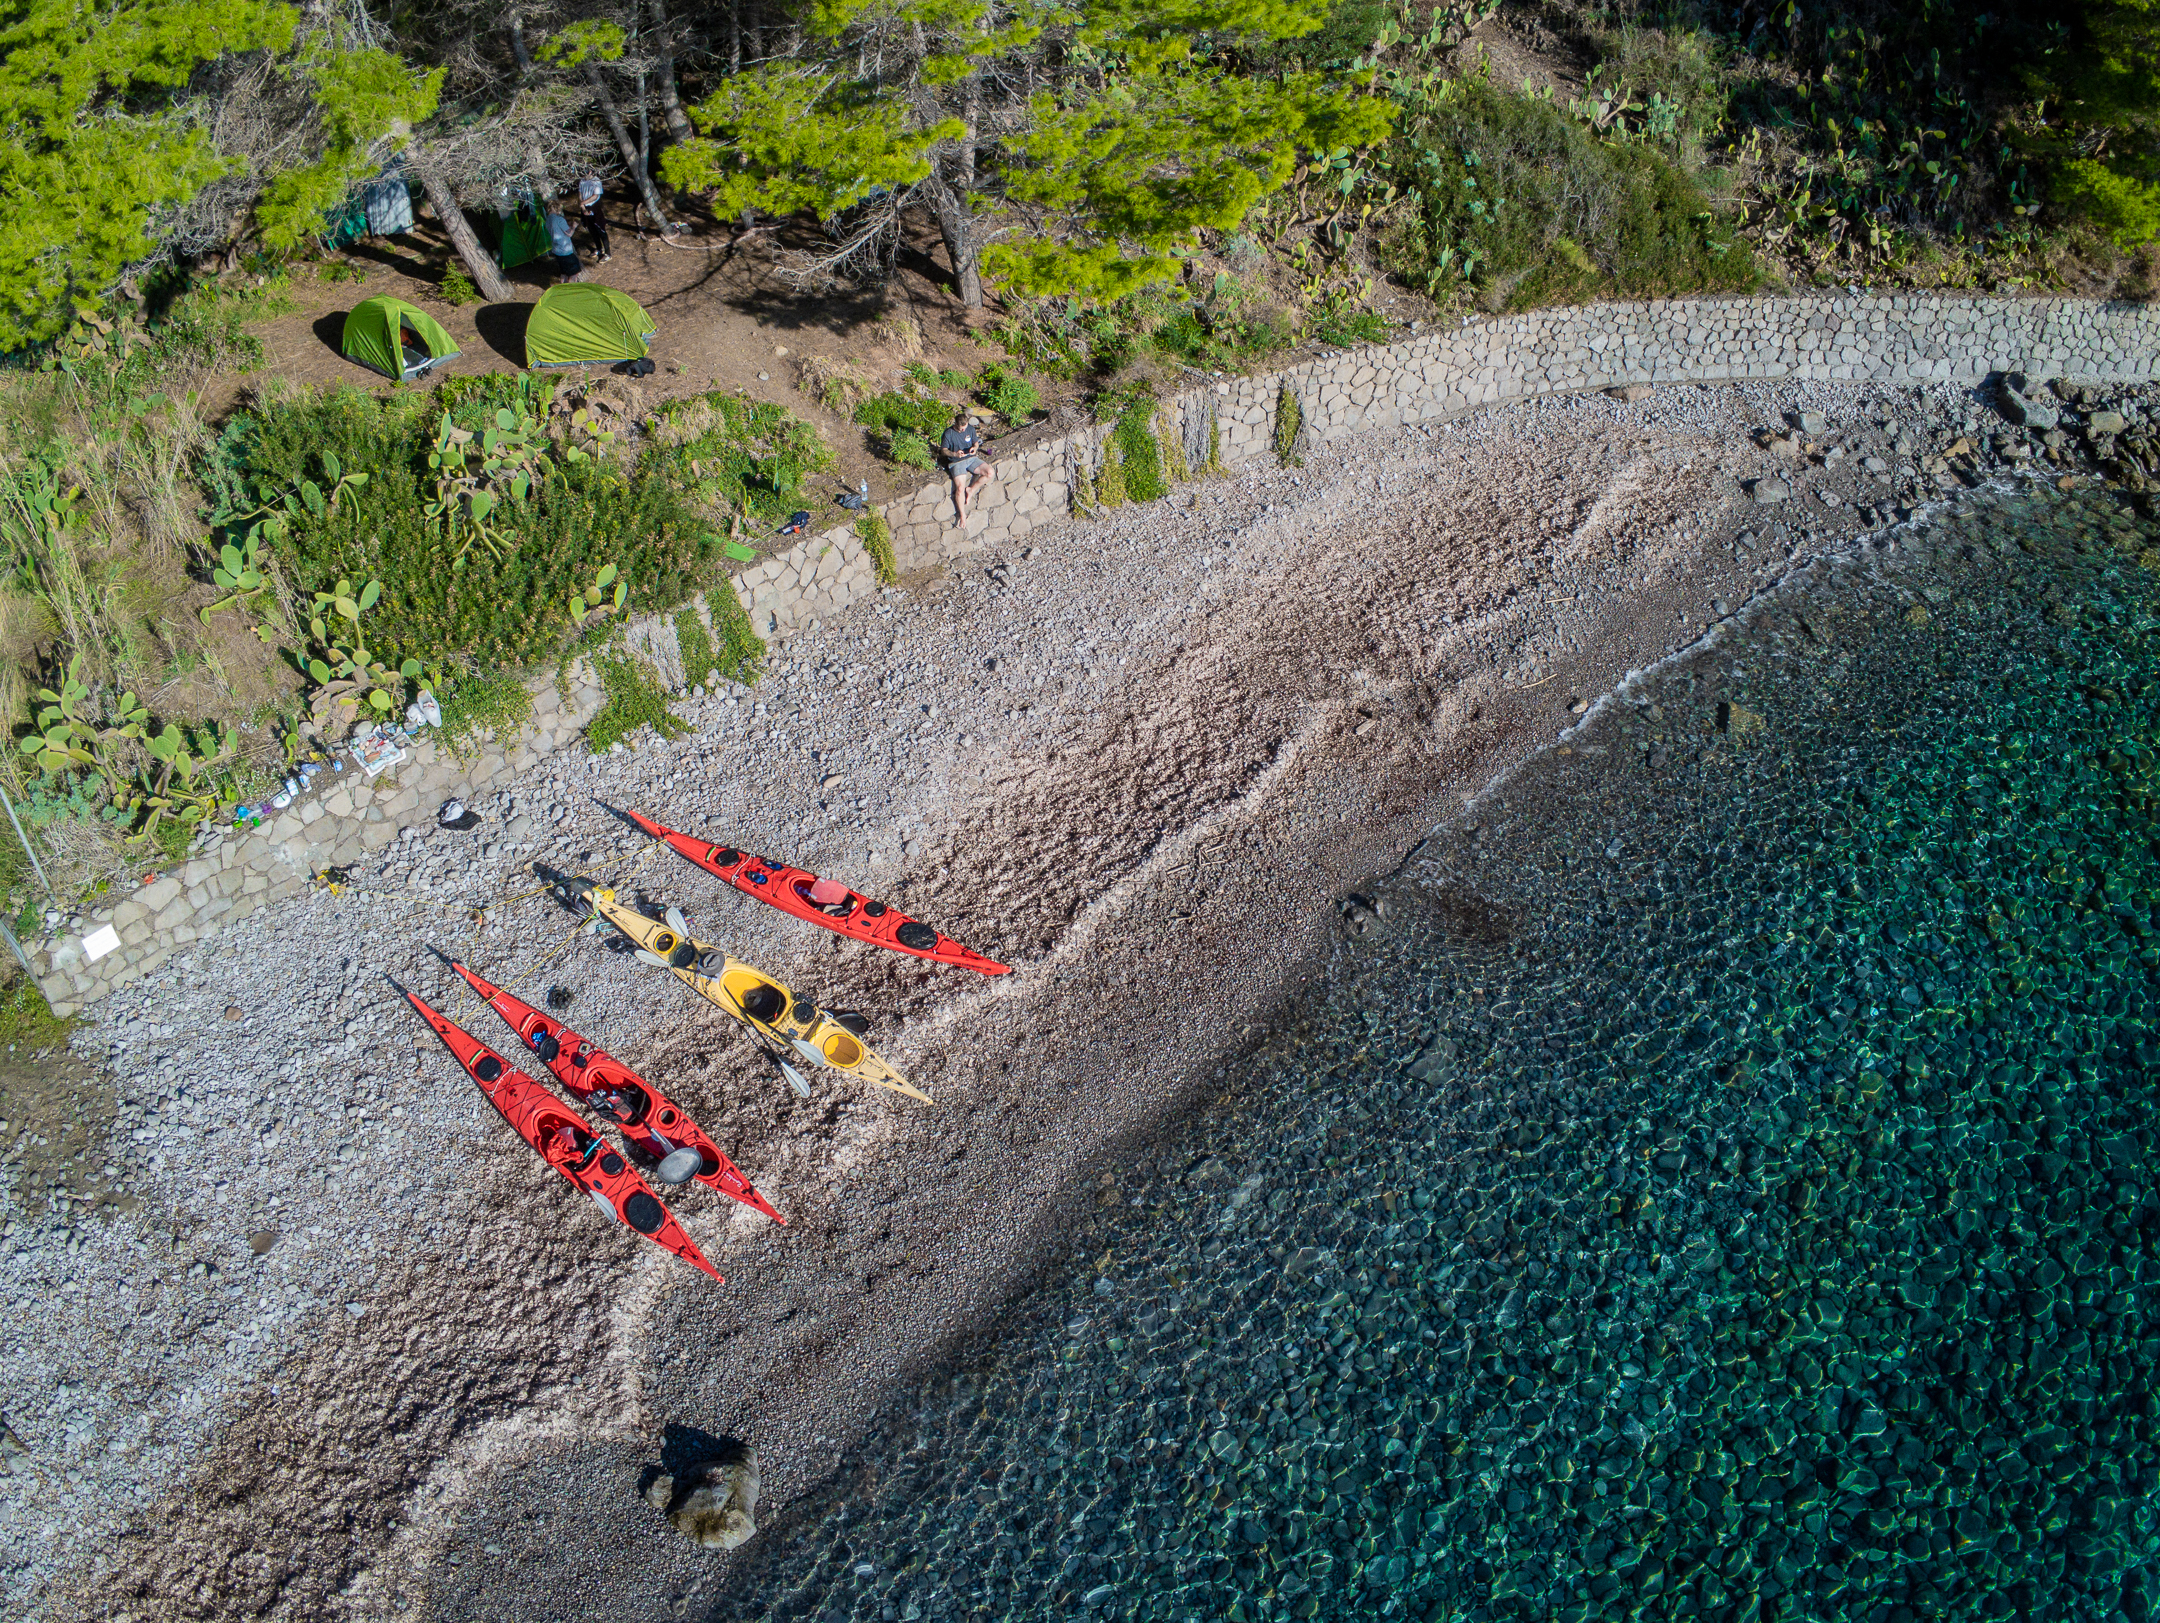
413 351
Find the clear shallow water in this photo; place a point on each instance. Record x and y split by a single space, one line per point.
1723 1189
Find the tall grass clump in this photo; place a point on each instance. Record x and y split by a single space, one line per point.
1520 204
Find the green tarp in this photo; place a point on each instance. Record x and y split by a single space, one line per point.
524 236
585 324
395 339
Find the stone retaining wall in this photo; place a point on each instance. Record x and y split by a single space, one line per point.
1842 337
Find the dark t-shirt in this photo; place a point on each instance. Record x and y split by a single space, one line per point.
959 442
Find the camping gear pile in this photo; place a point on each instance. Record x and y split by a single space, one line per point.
787 1027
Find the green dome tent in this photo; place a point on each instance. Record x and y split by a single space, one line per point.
585 324
395 339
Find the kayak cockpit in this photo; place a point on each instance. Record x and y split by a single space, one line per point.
841 1050
624 1102
828 896
759 999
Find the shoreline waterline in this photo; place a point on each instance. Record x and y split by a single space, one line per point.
1497 1292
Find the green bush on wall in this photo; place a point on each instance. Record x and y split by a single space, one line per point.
734 657
1139 451
876 537
1289 422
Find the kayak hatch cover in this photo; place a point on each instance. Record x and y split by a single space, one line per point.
652 1121
564 1141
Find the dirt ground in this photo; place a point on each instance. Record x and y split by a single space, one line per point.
727 320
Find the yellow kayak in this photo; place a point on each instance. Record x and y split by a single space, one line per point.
753 997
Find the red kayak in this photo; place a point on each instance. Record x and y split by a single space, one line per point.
821 901
603 1083
563 1141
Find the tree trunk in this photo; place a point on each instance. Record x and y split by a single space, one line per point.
644 126
626 146
734 36
957 227
517 46
671 107
478 264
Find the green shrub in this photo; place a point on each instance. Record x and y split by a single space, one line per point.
457 288
910 423
1228 329
496 613
1139 454
740 648
734 657
481 703
26 1019
1289 419
1185 337
910 450
928 378
919 413
2123 207
748 456
1502 180
876 537
1003 390
1344 327
1109 478
635 698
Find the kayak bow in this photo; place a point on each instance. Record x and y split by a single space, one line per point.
603 1083
563 1141
824 902
755 998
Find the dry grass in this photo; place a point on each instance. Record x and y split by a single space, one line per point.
900 333
836 385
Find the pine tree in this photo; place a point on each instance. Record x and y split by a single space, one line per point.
1093 137
93 143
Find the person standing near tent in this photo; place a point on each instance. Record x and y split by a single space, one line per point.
563 250
588 196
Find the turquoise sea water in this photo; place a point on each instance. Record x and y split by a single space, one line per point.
1725 1189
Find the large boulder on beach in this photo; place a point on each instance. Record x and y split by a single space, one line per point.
718 1508
2021 408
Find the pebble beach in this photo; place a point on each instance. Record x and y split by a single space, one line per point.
328 1341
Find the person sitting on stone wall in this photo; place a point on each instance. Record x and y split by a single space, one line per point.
970 469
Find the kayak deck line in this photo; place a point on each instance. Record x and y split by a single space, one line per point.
561 1138
754 998
824 902
604 1084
